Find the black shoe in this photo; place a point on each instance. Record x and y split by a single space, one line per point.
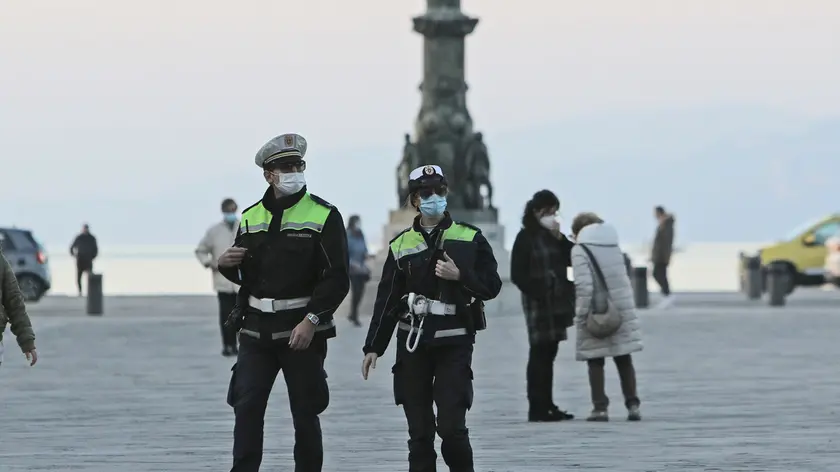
549 415
355 321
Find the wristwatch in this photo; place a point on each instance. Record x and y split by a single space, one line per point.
313 319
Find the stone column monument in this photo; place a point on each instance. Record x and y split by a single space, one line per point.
443 131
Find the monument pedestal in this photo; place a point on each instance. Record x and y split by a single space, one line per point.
486 220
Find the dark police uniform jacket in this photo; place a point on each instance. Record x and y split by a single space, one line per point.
410 267
297 247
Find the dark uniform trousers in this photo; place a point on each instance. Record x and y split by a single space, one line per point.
257 365
441 375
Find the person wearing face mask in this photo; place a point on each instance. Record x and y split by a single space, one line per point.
359 271
290 259
216 240
434 283
539 261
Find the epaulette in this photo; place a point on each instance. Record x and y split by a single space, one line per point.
400 234
468 225
320 201
252 206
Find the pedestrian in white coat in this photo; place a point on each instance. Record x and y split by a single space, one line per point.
217 240
602 241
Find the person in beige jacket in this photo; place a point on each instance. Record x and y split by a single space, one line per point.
602 241
216 240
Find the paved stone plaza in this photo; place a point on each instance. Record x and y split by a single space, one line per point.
726 385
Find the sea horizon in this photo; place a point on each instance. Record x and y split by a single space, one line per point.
173 269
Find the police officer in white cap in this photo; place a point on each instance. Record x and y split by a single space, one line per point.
290 259
434 283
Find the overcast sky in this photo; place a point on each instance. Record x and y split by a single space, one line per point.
111 100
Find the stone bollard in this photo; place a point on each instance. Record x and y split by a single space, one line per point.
640 290
778 281
752 278
94 295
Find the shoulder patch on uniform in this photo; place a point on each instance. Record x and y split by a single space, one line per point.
252 206
400 234
320 201
468 225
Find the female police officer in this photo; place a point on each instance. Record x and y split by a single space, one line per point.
434 282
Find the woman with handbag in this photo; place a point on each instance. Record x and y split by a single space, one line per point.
539 262
605 313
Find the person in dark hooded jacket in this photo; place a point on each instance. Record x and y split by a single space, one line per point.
660 254
85 250
540 260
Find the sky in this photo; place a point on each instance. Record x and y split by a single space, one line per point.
139 117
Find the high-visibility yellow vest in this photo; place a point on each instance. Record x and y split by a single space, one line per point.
411 241
308 213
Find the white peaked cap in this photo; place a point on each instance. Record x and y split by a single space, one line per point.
425 171
284 146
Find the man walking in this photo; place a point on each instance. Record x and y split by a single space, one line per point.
663 246
85 250
290 257
216 240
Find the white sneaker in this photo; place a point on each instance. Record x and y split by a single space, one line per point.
666 302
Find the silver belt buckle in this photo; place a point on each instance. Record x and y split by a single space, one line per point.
266 305
420 306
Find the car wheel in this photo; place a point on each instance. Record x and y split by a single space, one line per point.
31 288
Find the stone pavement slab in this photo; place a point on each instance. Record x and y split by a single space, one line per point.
725 387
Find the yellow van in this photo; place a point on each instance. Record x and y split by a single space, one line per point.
803 251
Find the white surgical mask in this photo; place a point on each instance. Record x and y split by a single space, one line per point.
548 222
290 183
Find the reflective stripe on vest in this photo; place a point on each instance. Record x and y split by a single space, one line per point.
305 214
412 242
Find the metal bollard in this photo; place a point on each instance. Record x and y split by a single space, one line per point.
778 281
94 295
640 290
752 278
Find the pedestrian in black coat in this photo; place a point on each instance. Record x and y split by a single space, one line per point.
539 261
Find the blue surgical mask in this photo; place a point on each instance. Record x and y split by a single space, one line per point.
433 206
230 217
